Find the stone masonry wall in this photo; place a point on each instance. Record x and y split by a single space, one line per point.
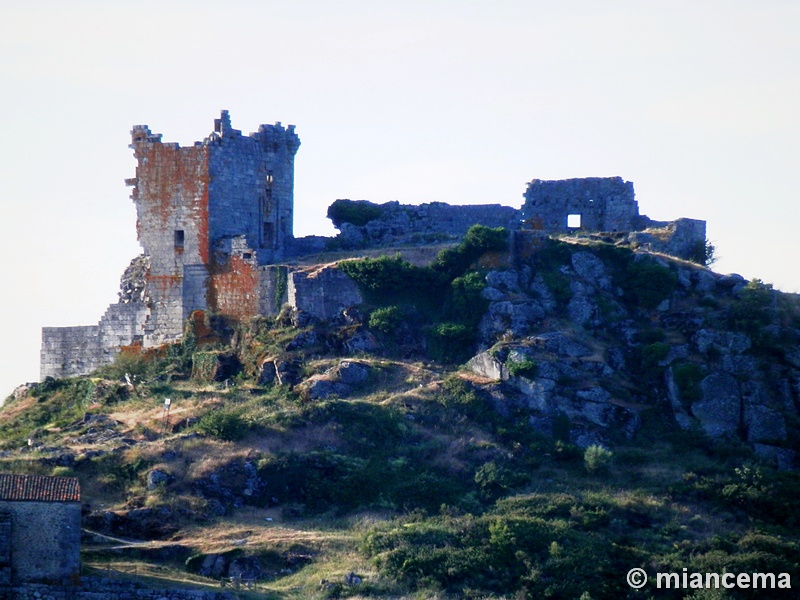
603 203
251 186
97 588
36 526
273 289
68 351
5 549
170 192
322 293
427 223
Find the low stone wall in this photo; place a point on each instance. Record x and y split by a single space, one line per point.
397 224
100 588
323 292
68 351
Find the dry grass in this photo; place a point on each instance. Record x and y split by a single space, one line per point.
416 255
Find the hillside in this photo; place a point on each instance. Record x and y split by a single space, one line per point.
524 422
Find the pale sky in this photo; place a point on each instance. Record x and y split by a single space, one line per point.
697 102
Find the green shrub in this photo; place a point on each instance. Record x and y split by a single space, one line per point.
559 286
135 364
494 480
386 319
553 255
596 458
523 368
447 299
281 284
462 396
356 212
386 278
688 376
651 335
615 258
465 303
646 283
450 342
478 240
224 424
749 312
652 355
703 253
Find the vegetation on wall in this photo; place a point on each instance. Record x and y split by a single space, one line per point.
355 212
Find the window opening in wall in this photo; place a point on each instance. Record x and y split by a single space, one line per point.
247 255
573 221
179 238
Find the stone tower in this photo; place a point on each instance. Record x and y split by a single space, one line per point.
207 216
211 217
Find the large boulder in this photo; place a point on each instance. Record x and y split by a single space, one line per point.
562 344
351 372
721 342
158 478
764 424
279 371
486 365
580 308
320 387
589 267
719 406
515 317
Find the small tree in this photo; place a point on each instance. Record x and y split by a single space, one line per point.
596 458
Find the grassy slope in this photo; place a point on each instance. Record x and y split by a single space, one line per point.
414 482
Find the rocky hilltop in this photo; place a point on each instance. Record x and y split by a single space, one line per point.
491 416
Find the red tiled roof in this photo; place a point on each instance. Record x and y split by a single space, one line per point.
40 488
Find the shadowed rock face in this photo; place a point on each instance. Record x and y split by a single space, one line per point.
572 340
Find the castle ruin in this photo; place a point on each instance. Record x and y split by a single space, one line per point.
215 222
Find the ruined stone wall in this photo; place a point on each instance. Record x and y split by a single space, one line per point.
398 224
45 540
273 289
68 351
684 238
251 189
323 292
235 288
170 192
208 215
602 203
